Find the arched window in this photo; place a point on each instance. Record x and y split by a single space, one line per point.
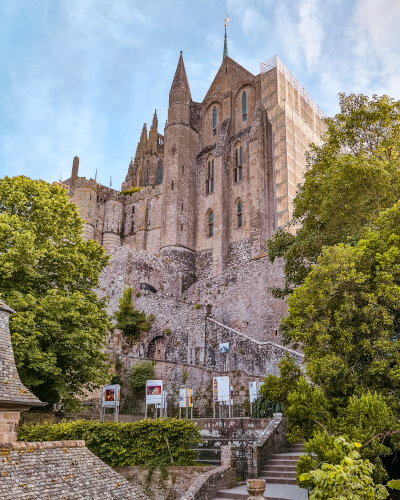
244 106
148 176
159 174
215 121
210 225
210 177
239 213
237 171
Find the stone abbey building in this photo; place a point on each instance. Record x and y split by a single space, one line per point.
214 187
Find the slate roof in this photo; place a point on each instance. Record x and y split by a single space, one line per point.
62 470
13 393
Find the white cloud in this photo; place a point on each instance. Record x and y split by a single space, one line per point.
310 30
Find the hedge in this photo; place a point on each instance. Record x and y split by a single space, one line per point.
119 444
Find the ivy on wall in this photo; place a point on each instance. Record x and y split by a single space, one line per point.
148 443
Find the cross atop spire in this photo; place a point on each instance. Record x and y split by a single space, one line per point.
225 53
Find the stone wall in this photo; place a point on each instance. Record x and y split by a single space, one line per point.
178 480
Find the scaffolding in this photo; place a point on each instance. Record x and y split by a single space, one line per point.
275 62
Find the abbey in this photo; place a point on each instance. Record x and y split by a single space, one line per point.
214 187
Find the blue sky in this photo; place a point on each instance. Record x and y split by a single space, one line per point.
80 77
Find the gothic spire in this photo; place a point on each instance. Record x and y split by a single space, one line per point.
225 53
180 90
155 121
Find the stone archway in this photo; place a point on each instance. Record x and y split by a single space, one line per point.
156 349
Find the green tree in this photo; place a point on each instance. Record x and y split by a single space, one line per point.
349 181
129 320
278 388
47 275
140 372
349 480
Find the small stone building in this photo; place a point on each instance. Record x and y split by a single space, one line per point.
64 470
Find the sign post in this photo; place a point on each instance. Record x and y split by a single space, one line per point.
154 395
186 401
110 398
254 390
221 395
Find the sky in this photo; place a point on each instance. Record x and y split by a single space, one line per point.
80 77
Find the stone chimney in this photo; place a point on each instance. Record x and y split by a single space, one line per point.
14 397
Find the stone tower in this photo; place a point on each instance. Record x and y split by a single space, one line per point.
180 147
14 396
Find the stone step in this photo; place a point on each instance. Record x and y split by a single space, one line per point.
287 468
278 480
286 456
282 462
289 475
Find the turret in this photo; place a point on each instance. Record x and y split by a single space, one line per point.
75 168
179 186
179 96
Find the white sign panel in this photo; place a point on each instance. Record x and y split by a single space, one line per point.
185 398
164 401
224 348
254 389
153 392
111 396
221 389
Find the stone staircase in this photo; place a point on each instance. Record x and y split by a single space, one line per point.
280 475
281 468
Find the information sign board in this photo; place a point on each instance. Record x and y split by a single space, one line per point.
221 389
254 389
153 392
111 396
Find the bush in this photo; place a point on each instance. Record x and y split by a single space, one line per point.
132 190
119 444
129 320
140 372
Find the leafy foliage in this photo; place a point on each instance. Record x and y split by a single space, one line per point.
47 275
351 479
262 408
350 180
346 315
140 372
118 444
278 388
129 320
132 190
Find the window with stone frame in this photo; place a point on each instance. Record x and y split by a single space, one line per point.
148 176
210 177
159 173
210 224
239 213
215 120
238 171
133 226
244 106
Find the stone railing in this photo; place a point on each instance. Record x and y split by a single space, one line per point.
207 484
272 440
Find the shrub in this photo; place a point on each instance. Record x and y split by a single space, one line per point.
132 190
167 331
129 320
140 372
120 444
197 306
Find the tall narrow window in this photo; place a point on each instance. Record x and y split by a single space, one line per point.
210 225
237 172
133 209
210 177
159 174
244 106
132 226
239 213
215 121
148 177
172 185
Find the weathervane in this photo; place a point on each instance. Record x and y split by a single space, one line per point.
226 20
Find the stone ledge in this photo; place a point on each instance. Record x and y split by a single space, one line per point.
40 445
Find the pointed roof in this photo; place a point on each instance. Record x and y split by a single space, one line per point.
180 81
225 53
